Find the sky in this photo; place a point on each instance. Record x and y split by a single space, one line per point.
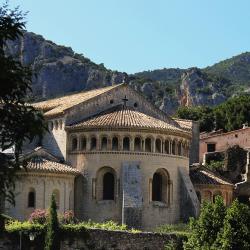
137 35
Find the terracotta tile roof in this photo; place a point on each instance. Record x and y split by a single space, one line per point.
185 124
125 118
41 164
59 105
202 175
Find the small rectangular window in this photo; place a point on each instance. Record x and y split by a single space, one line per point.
210 147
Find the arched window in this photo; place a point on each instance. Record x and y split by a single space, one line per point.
32 198
74 144
115 143
56 124
148 147
56 194
179 148
108 186
126 144
198 195
215 194
51 125
161 186
60 124
93 143
137 144
167 149
207 196
104 143
157 187
173 147
83 143
158 146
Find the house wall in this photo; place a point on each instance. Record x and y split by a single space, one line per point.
44 185
223 141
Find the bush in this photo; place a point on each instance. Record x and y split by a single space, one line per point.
38 216
17 226
68 218
180 228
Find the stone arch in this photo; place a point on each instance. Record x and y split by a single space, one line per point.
179 147
216 193
115 143
148 144
56 125
83 142
104 142
167 146
106 183
32 198
161 186
93 143
126 143
173 147
138 143
207 195
158 145
56 194
74 142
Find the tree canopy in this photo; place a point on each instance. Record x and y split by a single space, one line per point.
228 116
19 122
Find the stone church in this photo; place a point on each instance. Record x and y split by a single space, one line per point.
110 154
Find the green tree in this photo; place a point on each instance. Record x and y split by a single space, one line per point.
203 114
205 230
236 229
19 122
52 241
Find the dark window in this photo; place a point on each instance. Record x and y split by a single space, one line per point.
137 144
83 143
167 147
158 146
108 186
236 136
135 105
179 148
31 199
173 148
210 147
111 101
74 144
126 143
115 143
157 187
148 145
104 143
93 143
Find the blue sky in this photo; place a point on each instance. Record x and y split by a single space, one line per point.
137 35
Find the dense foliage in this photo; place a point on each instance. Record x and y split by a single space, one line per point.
227 116
52 241
220 228
18 122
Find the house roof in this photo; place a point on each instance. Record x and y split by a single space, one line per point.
185 124
59 105
202 175
41 164
125 117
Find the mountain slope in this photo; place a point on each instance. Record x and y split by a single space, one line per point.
58 71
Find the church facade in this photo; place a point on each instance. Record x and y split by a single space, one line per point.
110 155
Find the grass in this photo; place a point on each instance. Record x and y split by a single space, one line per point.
178 229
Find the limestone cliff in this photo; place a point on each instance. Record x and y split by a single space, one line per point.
58 70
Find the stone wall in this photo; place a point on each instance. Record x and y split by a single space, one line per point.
96 239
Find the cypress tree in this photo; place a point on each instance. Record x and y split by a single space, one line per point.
52 241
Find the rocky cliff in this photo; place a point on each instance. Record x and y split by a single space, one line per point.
58 71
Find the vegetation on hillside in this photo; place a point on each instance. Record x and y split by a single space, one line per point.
230 115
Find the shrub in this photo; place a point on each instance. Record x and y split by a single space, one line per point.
38 216
180 228
52 236
68 218
17 226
